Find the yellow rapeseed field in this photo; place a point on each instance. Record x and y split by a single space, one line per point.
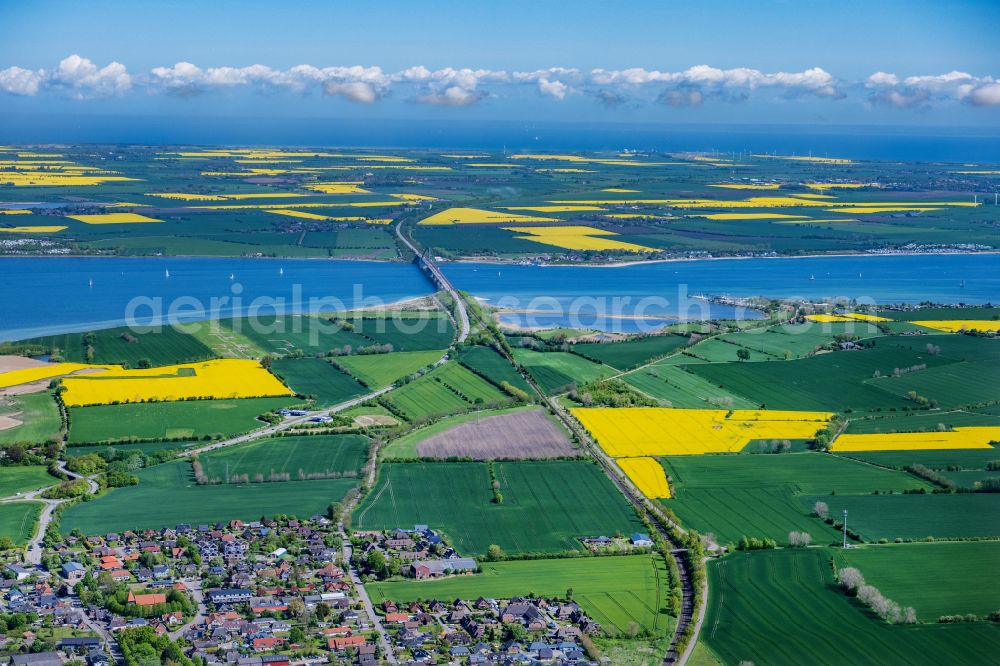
763 202
647 474
263 195
16 211
383 158
338 188
55 179
114 218
957 325
224 378
292 204
478 216
554 209
184 196
335 218
750 216
844 317
881 209
654 431
31 230
747 186
414 197
619 189
961 438
865 317
577 238
28 375
299 213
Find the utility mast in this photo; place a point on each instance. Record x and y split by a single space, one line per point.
845 528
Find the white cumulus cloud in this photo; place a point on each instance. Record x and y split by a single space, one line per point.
18 81
696 84
922 91
80 78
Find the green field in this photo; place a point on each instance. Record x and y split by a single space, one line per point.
487 363
446 389
680 388
970 459
758 495
406 446
167 420
631 353
798 340
122 345
917 516
614 591
719 350
555 371
934 578
950 385
280 334
17 520
39 417
377 370
16 479
310 454
969 478
167 495
834 382
921 422
423 331
317 379
547 505
928 314
783 607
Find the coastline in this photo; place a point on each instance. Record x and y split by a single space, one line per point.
497 262
625 264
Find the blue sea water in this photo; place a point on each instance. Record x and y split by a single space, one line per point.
568 295
48 295
921 144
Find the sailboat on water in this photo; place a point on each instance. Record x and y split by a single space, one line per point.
167 272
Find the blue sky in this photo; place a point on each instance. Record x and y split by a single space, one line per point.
886 62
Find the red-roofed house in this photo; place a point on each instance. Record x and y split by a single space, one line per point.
269 643
342 642
337 631
147 599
